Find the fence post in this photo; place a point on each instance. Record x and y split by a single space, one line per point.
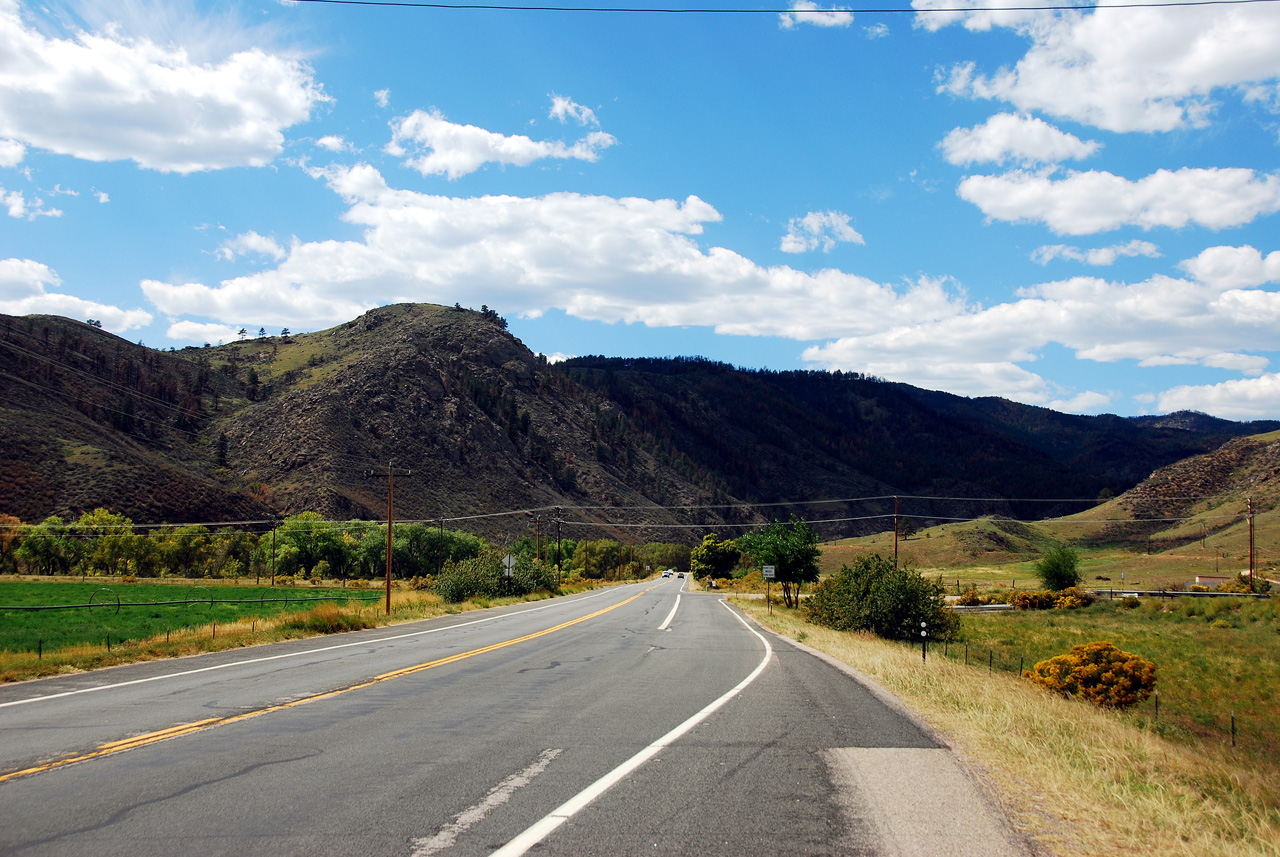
991 660
1021 659
1233 728
966 654
39 650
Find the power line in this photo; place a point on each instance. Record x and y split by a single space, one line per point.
703 10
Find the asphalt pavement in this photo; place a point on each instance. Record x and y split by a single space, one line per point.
637 719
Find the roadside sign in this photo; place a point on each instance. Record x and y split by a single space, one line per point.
509 561
768 572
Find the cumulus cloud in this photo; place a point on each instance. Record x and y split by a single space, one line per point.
102 196
1084 203
816 229
1088 402
1219 320
11 153
19 207
595 257
1012 137
1148 69
876 31
432 145
334 143
1095 255
251 242
199 332
107 96
564 108
24 290
1236 399
808 12
382 97
1234 267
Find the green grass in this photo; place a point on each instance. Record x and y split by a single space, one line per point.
50 630
1212 656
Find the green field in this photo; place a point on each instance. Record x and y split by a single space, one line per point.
197 605
1212 656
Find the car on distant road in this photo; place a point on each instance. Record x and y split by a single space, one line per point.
680 575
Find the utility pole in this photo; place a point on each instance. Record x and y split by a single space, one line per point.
273 551
440 567
1251 588
391 473
895 531
557 545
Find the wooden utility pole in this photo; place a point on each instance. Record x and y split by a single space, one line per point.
391 473
1251 587
895 530
557 546
388 538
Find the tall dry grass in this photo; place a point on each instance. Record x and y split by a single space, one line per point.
1079 780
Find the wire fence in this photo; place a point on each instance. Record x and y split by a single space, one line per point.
1161 713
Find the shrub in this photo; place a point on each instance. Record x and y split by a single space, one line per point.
469 578
1057 569
1098 672
875 594
1027 599
1071 599
1129 602
327 619
969 598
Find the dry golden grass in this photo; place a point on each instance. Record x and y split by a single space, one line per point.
1080 780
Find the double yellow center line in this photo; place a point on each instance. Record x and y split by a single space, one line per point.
200 725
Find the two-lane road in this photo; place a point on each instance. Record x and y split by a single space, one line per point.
636 719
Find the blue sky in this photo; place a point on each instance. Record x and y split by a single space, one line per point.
1069 209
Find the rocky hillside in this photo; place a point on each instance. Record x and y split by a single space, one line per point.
475 424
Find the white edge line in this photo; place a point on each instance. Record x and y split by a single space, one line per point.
543 828
97 688
670 615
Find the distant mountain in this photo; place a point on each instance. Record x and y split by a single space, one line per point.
627 448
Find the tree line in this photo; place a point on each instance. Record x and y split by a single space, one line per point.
305 545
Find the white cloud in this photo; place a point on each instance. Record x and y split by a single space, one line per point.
251 242
564 108
1088 402
17 206
200 332
1011 137
445 148
1146 69
334 143
1237 399
382 97
1161 321
595 257
1234 267
808 12
1087 202
102 196
1095 255
11 153
876 31
24 290
558 357
816 229
106 96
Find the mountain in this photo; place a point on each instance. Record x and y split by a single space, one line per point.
475 426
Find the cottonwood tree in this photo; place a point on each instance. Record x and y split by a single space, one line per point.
791 548
714 558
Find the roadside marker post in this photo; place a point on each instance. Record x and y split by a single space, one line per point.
924 642
768 572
